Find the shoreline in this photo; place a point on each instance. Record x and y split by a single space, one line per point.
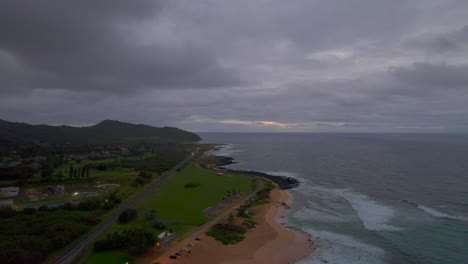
269 242
272 241
283 182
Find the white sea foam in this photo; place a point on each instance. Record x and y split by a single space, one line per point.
282 173
226 150
318 214
341 249
440 214
374 215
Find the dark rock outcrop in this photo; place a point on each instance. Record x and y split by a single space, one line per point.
282 181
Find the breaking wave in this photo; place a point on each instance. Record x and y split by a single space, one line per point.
440 214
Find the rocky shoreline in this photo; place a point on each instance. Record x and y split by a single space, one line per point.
283 182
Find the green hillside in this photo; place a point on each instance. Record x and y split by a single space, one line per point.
105 132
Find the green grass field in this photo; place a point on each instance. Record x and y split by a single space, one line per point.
174 202
108 258
177 204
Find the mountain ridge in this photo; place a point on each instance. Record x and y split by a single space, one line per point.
105 132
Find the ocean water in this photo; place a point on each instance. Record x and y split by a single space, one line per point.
368 198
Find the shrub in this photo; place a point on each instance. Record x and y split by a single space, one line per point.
89 220
192 185
159 224
141 180
6 212
89 205
145 175
150 215
127 215
29 211
139 239
43 208
102 245
227 233
249 224
68 206
101 167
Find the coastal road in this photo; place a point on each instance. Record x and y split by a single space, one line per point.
73 252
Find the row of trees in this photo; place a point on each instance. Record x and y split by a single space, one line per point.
137 240
79 172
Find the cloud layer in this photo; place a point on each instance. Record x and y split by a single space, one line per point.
263 65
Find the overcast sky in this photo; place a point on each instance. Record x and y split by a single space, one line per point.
244 65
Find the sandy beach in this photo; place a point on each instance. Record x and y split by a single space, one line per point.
269 242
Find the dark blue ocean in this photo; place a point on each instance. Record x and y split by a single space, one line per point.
368 198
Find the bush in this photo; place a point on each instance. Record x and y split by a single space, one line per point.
103 245
150 215
141 180
227 233
89 205
6 212
145 175
43 208
136 240
139 240
101 167
159 224
68 206
127 215
192 185
29 211
249 224
89 220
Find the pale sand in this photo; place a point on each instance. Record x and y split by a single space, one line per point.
269 242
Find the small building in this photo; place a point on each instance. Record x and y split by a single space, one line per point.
165 237
60 189
9 191
8 202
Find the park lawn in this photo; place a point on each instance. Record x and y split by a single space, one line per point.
108 257
175 203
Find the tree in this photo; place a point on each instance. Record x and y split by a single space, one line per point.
103 245
70 171
7 212
150 215
159 223
59 175
29 211
139 239
46 170
83 172
127 215
87 172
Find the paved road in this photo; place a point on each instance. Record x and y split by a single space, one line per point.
72 253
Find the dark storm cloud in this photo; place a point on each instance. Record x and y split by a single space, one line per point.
90 45
423 75
442 42
302 65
